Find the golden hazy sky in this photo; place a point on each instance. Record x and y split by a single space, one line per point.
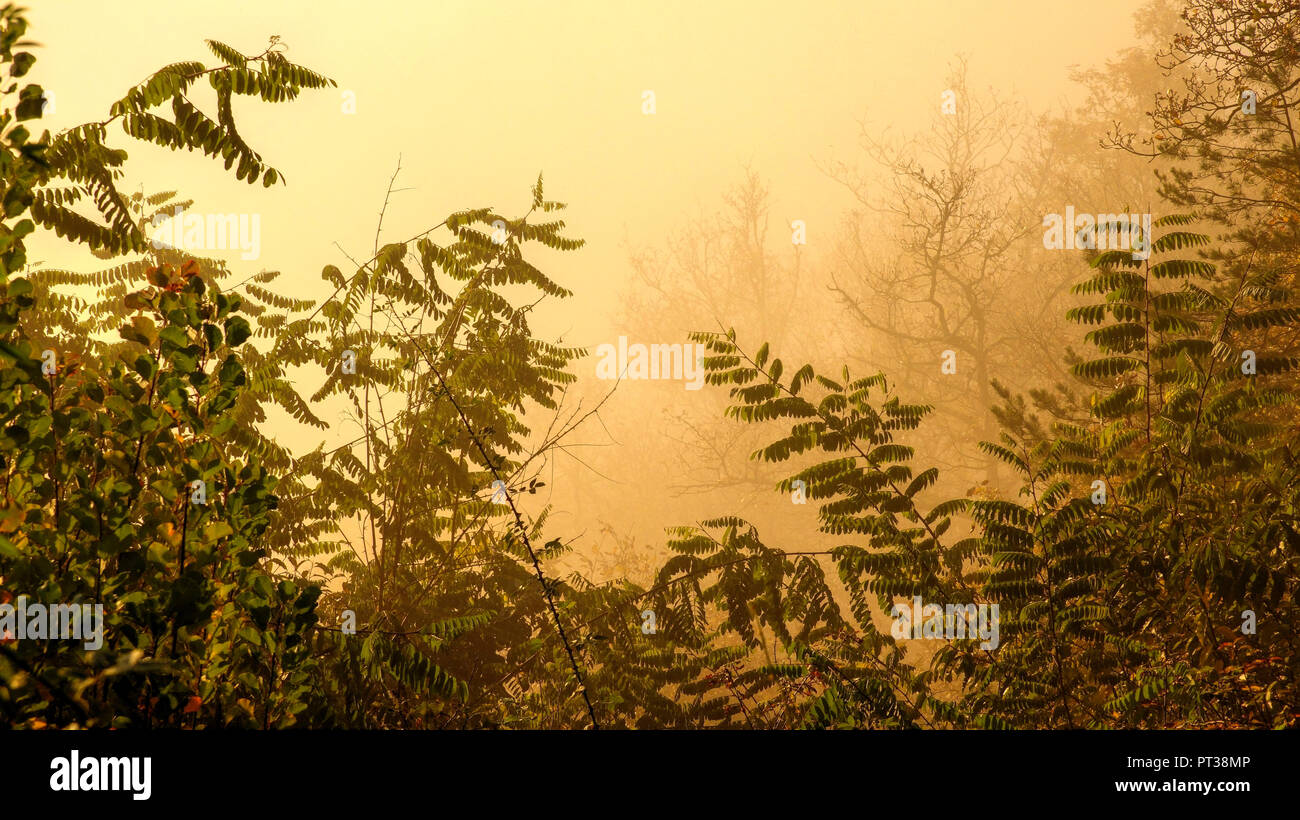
478 97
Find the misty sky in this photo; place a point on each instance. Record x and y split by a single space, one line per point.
478 97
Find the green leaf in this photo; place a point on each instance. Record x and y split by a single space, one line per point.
237 331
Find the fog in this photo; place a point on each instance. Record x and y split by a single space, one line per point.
763 114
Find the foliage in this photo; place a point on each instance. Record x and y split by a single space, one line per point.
122 488
81 167
1157 496
123 483
1126 612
